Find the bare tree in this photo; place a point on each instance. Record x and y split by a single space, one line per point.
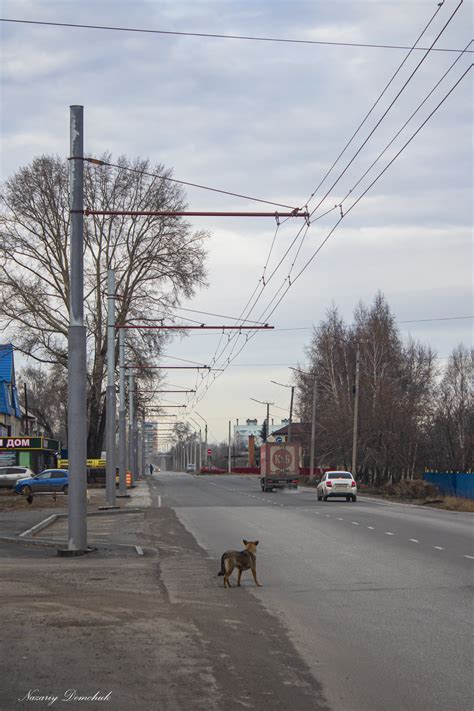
47 398
395 393
157 261
453 428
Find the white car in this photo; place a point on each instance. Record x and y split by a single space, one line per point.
10 475
337 484
191 468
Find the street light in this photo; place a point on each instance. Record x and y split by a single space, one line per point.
205 434
313 421
291 405
268 413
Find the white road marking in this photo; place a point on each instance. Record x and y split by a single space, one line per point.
372 528
328 515
389 534
355 523
414 540
340 519
471 557
159 501
438 548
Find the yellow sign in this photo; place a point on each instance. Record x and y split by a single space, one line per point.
91 463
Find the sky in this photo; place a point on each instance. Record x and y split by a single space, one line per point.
268 120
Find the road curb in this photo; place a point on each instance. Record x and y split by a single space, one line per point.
45 543
51 519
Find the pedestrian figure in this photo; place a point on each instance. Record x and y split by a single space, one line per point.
151 469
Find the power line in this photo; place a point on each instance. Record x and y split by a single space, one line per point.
249 38
208 313
268 315
373 106
275 296
99 162
404 125
391 104
370 186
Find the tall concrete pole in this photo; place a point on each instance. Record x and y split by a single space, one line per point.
77 412
291 413
143 443
356 414
131 417
268 421
229 456
313 432
122 417
135 439
110 392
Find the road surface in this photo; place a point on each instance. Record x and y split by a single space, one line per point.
377 597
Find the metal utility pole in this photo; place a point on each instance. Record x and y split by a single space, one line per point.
313 421
135 442
268 413
205 436
143 443
77 413
122 418
229 463
199 460
131 417
290 420
110 393
356 413
313 432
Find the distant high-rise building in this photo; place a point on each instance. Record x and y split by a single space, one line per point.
252 427
151 439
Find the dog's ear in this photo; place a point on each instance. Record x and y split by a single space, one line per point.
256 543
245 542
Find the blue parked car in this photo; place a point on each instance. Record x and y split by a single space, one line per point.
48 480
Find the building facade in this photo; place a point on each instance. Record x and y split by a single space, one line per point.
252 427
11 422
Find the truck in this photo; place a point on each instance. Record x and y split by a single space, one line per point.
279 465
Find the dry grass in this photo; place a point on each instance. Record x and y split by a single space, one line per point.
453 503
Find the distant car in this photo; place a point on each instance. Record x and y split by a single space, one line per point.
337 484
10 475
48 480
191 468
213 470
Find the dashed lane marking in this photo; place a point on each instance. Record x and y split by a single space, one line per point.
340 519
414 540
438 548
388 533
372 528
471 557
355 523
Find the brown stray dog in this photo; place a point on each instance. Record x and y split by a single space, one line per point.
242 560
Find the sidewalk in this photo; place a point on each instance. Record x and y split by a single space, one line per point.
152 631
19 519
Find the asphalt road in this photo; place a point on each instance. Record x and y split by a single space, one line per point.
377 597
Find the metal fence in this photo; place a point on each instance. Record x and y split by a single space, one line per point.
452 483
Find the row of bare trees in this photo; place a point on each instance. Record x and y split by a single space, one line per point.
412 414
157 261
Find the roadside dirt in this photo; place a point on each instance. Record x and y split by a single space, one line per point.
157 632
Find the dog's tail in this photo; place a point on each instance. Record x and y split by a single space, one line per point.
222 570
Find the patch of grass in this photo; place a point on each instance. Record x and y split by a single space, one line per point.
453 503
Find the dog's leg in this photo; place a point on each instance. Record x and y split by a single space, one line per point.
228 573
239 575
254 573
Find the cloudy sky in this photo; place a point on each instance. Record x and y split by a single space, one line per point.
268 119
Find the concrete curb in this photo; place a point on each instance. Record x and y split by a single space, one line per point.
96 546
51 519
